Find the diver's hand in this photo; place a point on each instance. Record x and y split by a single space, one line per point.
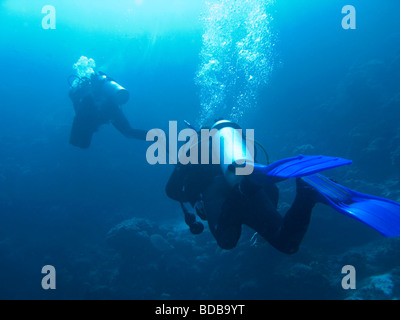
197 227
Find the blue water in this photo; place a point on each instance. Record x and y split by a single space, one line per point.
306 86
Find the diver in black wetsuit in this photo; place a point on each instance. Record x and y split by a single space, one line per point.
250 203
96 102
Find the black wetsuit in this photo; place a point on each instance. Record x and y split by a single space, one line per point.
93 109
249 203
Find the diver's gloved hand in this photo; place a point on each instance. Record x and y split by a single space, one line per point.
190 218
196 228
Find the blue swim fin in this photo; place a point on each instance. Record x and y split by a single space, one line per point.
381 214
296 167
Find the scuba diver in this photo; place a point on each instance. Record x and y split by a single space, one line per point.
228 206
97 99
228 201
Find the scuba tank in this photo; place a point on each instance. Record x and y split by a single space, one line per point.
101 84
111 89
232 149
85 75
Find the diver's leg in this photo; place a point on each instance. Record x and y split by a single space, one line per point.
297 219
82 131
223 210
229 226
285 234
85 123
262 216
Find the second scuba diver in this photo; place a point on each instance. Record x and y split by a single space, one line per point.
97 100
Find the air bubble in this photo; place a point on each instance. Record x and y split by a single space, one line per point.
236 55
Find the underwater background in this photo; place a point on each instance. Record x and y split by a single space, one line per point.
286 69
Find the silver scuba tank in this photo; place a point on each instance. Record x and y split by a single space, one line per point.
113 90
230 144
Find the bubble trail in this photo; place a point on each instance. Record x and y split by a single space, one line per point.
236 57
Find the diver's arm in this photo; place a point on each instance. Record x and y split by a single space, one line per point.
121 123
175 188
182 185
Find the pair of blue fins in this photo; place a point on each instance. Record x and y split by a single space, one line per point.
381 214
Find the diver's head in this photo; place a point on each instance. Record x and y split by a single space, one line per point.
83 70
